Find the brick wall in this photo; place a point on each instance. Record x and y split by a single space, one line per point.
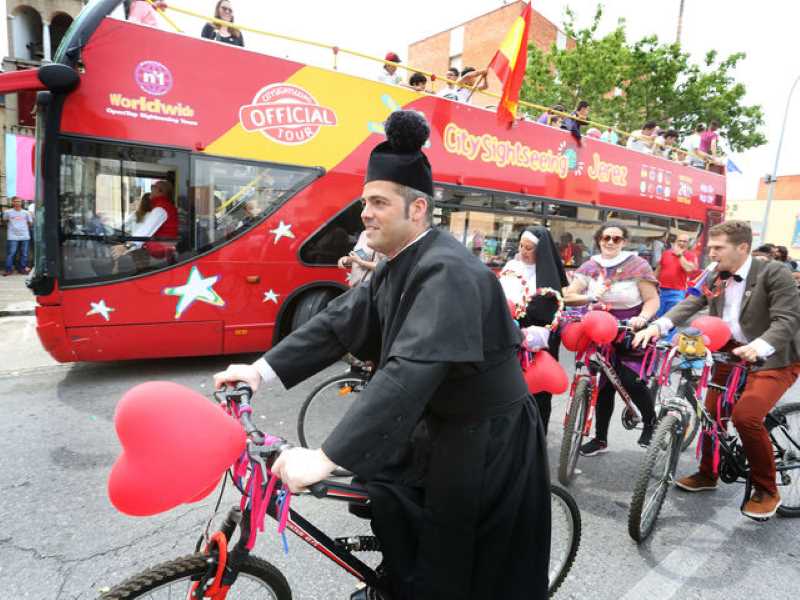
482 38
787 187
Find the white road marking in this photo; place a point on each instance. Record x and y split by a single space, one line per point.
664 580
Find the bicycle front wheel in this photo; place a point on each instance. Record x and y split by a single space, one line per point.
655 476
784 428
681 392
565 536
324 407
174 579
573 432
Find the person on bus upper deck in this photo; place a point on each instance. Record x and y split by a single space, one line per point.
450 80
223 33
463 90
709 139
626 285
388 72
642 139
694 156
664 146
418 81
574 123
446 435
142 12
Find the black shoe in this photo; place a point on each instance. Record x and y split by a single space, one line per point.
594 447
647 435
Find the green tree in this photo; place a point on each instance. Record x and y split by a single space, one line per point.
628 83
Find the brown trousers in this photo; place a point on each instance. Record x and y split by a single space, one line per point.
762 390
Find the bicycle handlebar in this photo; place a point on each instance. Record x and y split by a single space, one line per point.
241 395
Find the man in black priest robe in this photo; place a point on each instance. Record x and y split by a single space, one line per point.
445 436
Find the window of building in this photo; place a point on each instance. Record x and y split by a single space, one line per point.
231 196
457 41
561 40
456 63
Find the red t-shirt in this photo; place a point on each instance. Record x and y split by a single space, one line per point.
672 276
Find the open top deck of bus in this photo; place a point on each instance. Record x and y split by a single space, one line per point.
267 158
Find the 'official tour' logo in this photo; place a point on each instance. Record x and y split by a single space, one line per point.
153 78
286 113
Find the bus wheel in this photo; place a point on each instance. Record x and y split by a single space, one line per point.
310 304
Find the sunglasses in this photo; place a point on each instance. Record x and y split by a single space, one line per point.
614 239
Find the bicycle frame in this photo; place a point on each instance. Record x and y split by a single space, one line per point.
590 368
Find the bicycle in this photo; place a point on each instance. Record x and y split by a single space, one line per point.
220 572
658 466
590 363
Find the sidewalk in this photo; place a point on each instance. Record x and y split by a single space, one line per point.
16 300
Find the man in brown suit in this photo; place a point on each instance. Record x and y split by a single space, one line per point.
760 303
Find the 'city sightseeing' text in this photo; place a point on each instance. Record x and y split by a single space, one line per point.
503 153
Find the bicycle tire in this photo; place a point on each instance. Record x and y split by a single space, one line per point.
571 440
561 498
194 565
790 494
645 507
355 381
684 390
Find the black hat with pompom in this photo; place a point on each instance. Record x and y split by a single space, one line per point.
399 159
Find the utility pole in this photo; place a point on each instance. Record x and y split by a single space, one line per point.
774 177
680 23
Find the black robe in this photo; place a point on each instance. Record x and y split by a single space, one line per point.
445 435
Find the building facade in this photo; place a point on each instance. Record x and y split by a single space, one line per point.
33 33
475 42
783 224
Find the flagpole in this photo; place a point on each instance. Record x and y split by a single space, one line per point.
774 177
474 86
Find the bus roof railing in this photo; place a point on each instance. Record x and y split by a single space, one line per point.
161 7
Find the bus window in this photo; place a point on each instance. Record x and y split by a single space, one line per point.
101 212
335 239
574 236
229 197
493 236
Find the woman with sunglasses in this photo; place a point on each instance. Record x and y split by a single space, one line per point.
223 33
626 285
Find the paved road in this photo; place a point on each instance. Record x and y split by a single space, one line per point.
61 538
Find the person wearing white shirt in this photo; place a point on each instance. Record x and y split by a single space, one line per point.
388 72
759 302
641 140
538 265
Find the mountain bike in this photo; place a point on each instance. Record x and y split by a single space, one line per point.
657 470
228 570
589 365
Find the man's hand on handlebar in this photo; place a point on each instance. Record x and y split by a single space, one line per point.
236 373
642 337
746 352
300 467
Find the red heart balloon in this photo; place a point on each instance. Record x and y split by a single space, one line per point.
175 446
600 326
574 337
715 329
544 374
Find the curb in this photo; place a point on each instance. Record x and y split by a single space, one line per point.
17 313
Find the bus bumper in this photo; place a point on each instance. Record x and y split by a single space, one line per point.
52 333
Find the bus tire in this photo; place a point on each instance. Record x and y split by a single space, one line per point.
309 304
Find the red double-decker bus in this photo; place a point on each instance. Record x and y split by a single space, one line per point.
264 161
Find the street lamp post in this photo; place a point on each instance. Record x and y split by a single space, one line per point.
774 177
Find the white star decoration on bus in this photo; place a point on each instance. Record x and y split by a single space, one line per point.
196 287
271 296
100 308
281 231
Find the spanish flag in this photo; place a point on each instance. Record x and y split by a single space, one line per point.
509 65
